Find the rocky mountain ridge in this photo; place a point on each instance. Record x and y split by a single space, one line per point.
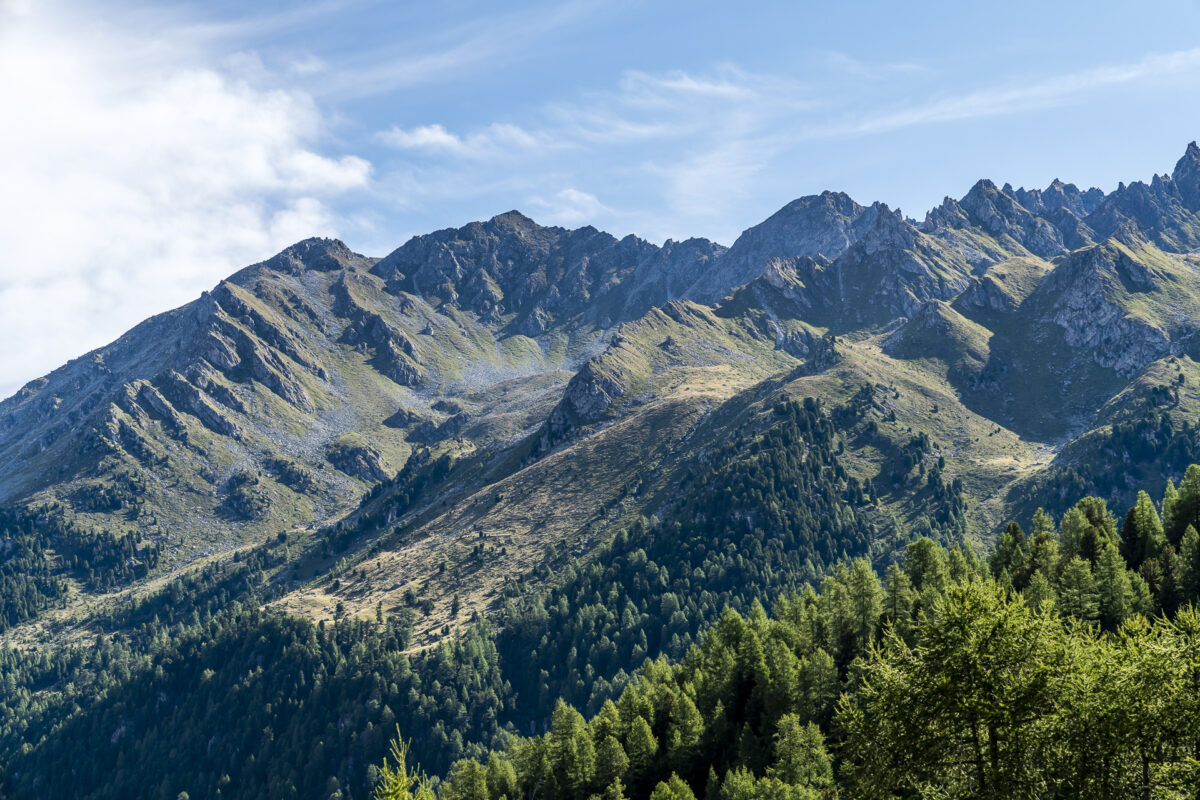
303 384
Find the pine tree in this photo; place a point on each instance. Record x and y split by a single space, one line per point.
611 761
673 788
897 598
800 756
821 687
684 731
1077 593
641 747
607 722
1009 553
1142 534
467 781
501 778
1040 593
1186 507
1086 529
1112 583
925 564
614 791
1044 557
396 782
1042 523
1189 565
1171 586
866 599
571 749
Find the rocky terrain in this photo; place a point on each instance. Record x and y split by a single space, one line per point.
383 411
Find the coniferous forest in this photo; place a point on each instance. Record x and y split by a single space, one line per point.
1062 664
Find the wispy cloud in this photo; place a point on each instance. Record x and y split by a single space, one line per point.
494 40
694 139
1036 95
841 62
570 207
494 141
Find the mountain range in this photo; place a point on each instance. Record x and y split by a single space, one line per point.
440 427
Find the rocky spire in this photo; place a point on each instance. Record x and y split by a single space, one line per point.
1187 177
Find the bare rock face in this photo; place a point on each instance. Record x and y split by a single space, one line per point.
986 294
823 354
895 268
588 396
153 401
1000 214
1186 177
511 268
1167 209
1086 308
188 397
396 354
354 456
1057 196
321 255
593 391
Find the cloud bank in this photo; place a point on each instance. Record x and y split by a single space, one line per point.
135 176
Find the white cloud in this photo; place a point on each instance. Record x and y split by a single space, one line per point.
494 141
872 70
570 207
135 177
1031 96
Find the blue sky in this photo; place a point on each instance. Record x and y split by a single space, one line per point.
159 147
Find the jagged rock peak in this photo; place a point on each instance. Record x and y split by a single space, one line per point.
1130 234
818 224
889 229
515 221
825 224
319 254
1187 177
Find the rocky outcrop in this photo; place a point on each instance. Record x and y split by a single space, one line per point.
986 294
999 214
1186 177
150 399
189 398
1057 196
270 332
396 354
893 269
316 254
1166 209
823 354
354 456
594 391
1085 288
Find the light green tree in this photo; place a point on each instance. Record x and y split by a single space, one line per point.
396 782
674 788
961 712
1078 596
800 756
